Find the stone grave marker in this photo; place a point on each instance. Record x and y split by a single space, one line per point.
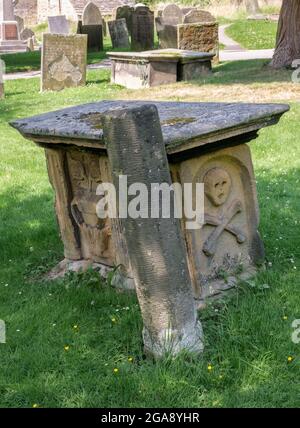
91 15
197 15
20 22
203 143
126 13
119 33
94 34
58 25
9 29
172 14
142 35
26 34
63 61
167 34
199 37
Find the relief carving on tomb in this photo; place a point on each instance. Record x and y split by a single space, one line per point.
62 69
95 233
217 188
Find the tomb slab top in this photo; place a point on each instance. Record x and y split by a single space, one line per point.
184 125
161 55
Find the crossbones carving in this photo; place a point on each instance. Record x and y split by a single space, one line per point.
209 247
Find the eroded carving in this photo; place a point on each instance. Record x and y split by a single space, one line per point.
62 69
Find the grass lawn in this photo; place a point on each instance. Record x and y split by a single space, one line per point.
66 337
253 34
29 61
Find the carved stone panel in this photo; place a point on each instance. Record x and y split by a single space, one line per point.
95 233
63 61
228 243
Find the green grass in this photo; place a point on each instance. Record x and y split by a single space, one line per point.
30 61
247 338
253 34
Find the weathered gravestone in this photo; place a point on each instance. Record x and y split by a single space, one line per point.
92 26
167 34
166 26
197 16
91 15
63 61
172 14
26 34
94 34
184 142
142 34
119 33
58 25
199 37
126 13
9 29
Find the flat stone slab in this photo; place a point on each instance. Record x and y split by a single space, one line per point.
162 55
184 125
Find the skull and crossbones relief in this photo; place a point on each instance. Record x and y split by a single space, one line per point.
217 187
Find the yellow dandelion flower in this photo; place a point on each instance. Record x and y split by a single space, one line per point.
75 327
290 359
284 317
116 370
66 348
113 320
209 367
35 405
130 359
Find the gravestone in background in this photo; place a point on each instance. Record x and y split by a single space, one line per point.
199 37
126 13
172 14
91 15
26 34
58 25
142 35
63 61
119 33
9 29
197 15
94 34
167 34
20 22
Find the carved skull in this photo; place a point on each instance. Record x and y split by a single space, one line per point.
217 186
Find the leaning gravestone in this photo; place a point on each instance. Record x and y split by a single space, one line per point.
142 35
198 15
119 33
58 25
172 14
63 61
126 13
191 142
